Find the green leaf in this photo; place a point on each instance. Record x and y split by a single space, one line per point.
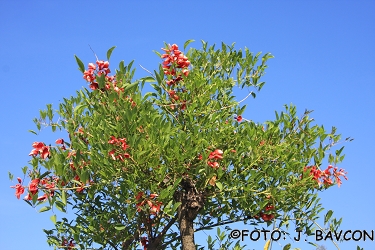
148 79
156 52
175 206
187 43
32 131
44 175
43 209
60 206
10 176
101 81
131 86
120 227
109 52
165 192
287 246
63 197
53 218
219 185
80 64
328 216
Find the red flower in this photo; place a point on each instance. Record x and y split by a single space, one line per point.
185 72
42 198
338 174
33 187
59 141
92 66
19 190
269 207
45 152
239 118
27 197
217 154
152 196
213 164
155 208
139 196
112 154
113 140
267 217
40 148
89 76
94 86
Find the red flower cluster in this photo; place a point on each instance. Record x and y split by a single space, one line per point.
323 177
49 185
40 148
174 57
267 217
110 81
67 245
217 154
121 142
154 205
90 74
175 60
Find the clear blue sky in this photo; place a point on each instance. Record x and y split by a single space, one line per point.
324 61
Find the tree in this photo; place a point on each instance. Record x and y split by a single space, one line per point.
156 167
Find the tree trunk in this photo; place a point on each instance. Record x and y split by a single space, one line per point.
192 201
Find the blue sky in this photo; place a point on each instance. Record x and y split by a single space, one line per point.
324 61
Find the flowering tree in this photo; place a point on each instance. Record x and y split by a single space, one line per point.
156 167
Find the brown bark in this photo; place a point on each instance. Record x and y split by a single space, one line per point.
191 202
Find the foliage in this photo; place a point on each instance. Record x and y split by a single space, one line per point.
135 165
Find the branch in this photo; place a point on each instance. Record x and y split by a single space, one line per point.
165 229
222 223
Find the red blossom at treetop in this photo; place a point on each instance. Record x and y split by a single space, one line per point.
174 57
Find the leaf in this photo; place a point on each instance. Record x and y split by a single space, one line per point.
80 64
109 52
187 43
267 245
328 216
175 206
219 185
287 246
156 52
53 218
60 206
63 197
164 193
43 209
10 176
120 227
131 86
148 79
44 175
32 131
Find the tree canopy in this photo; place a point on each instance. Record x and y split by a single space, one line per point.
156 167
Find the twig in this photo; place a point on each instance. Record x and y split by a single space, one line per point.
94 53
